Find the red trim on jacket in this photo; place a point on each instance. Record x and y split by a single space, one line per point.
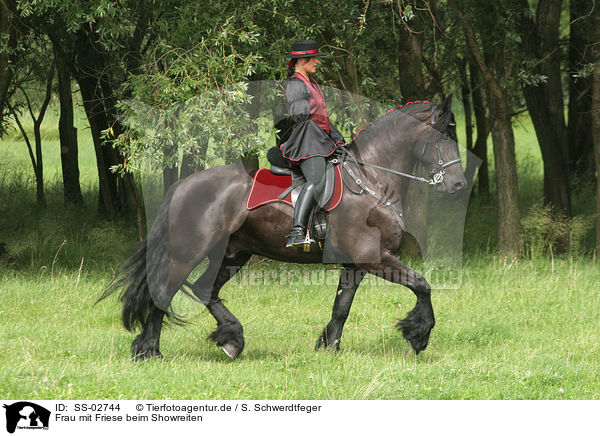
306 157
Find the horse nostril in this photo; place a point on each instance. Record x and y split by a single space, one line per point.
458 186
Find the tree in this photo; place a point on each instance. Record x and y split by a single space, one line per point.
100 42
193 89
9 38
482 123
31 70
419 28
490 53
68 135
583 19
543 93
595 115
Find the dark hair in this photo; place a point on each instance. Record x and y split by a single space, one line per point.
291 67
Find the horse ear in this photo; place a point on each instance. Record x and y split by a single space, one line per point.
447 104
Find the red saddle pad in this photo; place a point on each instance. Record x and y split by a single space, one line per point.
267 187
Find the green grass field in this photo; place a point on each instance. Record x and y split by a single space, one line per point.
524 328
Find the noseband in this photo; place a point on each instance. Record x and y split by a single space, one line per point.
437 172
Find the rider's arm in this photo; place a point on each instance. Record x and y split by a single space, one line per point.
297 95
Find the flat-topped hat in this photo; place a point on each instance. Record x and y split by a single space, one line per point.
305 49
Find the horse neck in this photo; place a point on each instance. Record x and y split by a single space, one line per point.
390 149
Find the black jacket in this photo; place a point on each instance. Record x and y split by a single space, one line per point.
307 139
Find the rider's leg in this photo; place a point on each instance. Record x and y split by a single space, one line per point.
313 170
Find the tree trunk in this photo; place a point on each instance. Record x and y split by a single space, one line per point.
483 131
7 27
37 161
37 125
581 160
596 137
544 100
170 174
188 166
39 170
505 161
107 199
492 66
39 179
189 163
509 240
465 90
68 136
410 65
116 194
596 121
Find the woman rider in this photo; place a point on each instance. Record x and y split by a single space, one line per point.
314 138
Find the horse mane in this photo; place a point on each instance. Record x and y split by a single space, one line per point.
387 122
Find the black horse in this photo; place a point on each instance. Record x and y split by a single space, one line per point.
205 216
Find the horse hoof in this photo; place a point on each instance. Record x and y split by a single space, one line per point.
231 351
322 344
147 355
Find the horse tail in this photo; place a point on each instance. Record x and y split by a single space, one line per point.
133 274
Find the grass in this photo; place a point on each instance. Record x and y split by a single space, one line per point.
521 329
524 328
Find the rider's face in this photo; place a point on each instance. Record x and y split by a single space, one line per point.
310 64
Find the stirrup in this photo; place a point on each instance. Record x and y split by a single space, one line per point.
308 241
297 237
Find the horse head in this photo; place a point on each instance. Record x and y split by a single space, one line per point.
438 153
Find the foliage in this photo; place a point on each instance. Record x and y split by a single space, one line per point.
192 89
186 96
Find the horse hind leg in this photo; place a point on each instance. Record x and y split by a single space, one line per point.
146 344
229 334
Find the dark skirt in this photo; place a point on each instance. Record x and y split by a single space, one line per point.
307 140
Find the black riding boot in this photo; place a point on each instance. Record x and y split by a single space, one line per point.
304 205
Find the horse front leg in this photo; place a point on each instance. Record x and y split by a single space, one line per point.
350 278
419 322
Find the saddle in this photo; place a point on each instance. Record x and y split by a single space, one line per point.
280 184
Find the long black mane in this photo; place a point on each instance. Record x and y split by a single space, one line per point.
385 129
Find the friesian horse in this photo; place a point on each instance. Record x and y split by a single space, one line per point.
205 216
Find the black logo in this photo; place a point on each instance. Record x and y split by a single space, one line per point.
25 415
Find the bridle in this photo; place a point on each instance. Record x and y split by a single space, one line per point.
437 173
